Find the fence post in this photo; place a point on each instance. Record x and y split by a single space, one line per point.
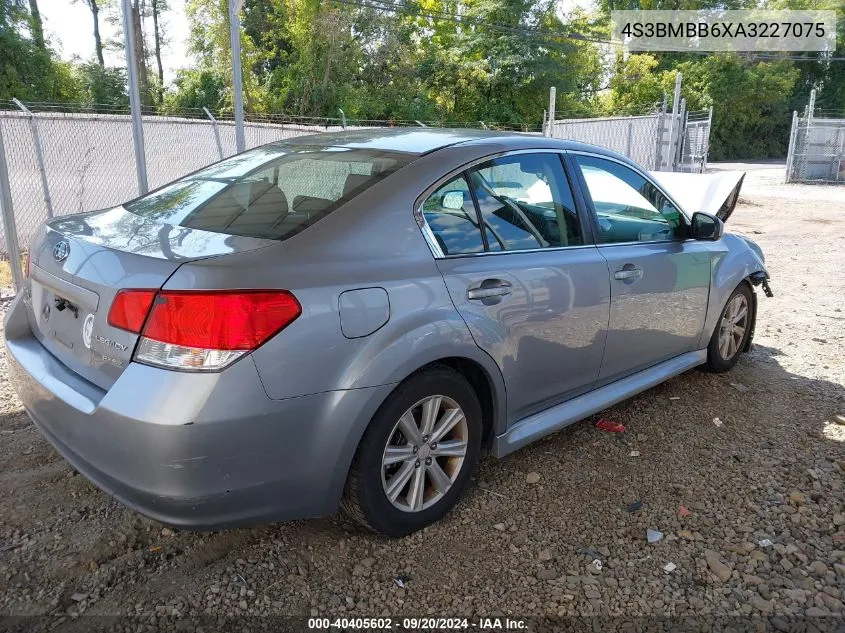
39 156
707 141
8 214
811 110
790 153
658 151
811 107
682 134
216 131
543 127
552 99
342 118
630 139
675 104
134 98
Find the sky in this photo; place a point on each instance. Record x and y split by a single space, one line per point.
69 26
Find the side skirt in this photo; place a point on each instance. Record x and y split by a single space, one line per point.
563 414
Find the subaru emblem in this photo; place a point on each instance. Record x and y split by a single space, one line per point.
61 250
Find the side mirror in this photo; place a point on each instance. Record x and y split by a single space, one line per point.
453 200
706 227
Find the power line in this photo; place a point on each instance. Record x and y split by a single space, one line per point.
544 34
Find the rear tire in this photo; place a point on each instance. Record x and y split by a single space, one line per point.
732 331
417 455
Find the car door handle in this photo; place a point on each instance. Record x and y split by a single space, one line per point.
628 273
489 288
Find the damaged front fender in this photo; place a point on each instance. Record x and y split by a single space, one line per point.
737 262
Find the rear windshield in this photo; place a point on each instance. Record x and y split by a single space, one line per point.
271 192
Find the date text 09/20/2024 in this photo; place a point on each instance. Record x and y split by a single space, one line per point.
412 624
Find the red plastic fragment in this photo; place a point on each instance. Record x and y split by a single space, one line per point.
610 426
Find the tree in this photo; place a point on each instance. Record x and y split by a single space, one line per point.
37 26
94 6
158 7
102 86
197 89
29 69
140 52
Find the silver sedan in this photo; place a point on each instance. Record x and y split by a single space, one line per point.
354 319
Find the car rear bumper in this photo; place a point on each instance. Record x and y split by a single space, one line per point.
201 451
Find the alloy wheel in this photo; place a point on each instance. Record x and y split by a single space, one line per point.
424 453
732 326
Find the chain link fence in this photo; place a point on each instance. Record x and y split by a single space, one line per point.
816 150
696 144
660 141
88 162
59 162
637 137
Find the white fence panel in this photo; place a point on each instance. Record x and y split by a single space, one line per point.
817 150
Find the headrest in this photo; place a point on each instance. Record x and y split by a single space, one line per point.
353 182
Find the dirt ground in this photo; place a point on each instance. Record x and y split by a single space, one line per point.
762 531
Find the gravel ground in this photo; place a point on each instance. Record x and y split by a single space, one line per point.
751 510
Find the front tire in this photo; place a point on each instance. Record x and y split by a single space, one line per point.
417 455
732 331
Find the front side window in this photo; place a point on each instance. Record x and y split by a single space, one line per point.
629 207
525 203
272 192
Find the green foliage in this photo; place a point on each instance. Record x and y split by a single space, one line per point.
494 63
196 89
751 99
313 57
28 71
102 86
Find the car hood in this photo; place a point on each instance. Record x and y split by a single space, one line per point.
715 194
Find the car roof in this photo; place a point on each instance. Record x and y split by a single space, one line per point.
424 140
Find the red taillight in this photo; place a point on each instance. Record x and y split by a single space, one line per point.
130 308
239 320
201 330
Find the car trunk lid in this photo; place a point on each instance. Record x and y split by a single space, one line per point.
79 263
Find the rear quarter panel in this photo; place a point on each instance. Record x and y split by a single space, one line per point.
372 242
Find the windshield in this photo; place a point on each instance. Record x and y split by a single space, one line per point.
270 192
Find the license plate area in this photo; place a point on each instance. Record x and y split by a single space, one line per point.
61 320
61 311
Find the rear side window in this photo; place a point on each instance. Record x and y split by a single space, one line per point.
451 217
272 192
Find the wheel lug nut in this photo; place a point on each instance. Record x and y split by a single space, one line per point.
417 464
416 448
434 446
428 461
425 438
